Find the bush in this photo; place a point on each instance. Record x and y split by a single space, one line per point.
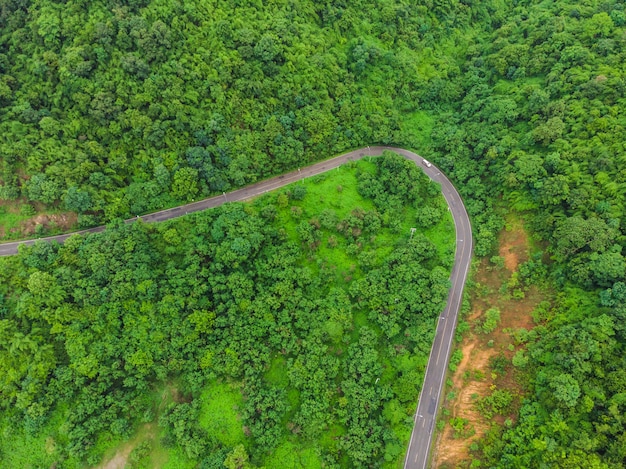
492 319
27 210
497 261
299 192
455 359
498 403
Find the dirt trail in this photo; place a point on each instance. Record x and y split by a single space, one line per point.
474 377
147 432
119 460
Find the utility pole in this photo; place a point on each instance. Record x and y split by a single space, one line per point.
412 231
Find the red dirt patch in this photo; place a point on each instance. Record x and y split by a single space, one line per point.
513 246
474 377
60 221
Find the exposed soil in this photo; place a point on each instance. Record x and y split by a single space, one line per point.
62 221
147 432
513 246
474 377
119 460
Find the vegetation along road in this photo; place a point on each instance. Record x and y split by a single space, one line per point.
419 445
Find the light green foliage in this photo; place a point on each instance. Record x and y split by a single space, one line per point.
461 427
277 373
292 456
185 184
497 403
520 359
220 413
455 359
139 456
21 448
497 261
566 389
237 459
490 321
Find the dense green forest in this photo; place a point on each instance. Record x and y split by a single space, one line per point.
109 109
540 114
314 307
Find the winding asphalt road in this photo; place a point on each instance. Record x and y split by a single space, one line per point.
421 438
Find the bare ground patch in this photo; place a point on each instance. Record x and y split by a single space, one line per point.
146 436
474 377
513 245
119 460
61 221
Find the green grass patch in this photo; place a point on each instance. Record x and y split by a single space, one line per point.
277 373
291 456
443 236
331 437
10 220
336 190
219 414
21 449
176 459
418 125
145 448
293 398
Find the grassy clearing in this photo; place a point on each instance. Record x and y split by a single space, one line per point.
20 220
277 373
336 190
142 450
443 236
10 219
219 414
291 456
331 437
418 126
21 449
176 460
145 448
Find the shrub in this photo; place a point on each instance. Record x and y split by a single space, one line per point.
492 319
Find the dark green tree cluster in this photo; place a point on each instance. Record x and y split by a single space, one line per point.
537 126
90 328
547 130
114 108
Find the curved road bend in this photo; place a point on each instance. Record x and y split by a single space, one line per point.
419 445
